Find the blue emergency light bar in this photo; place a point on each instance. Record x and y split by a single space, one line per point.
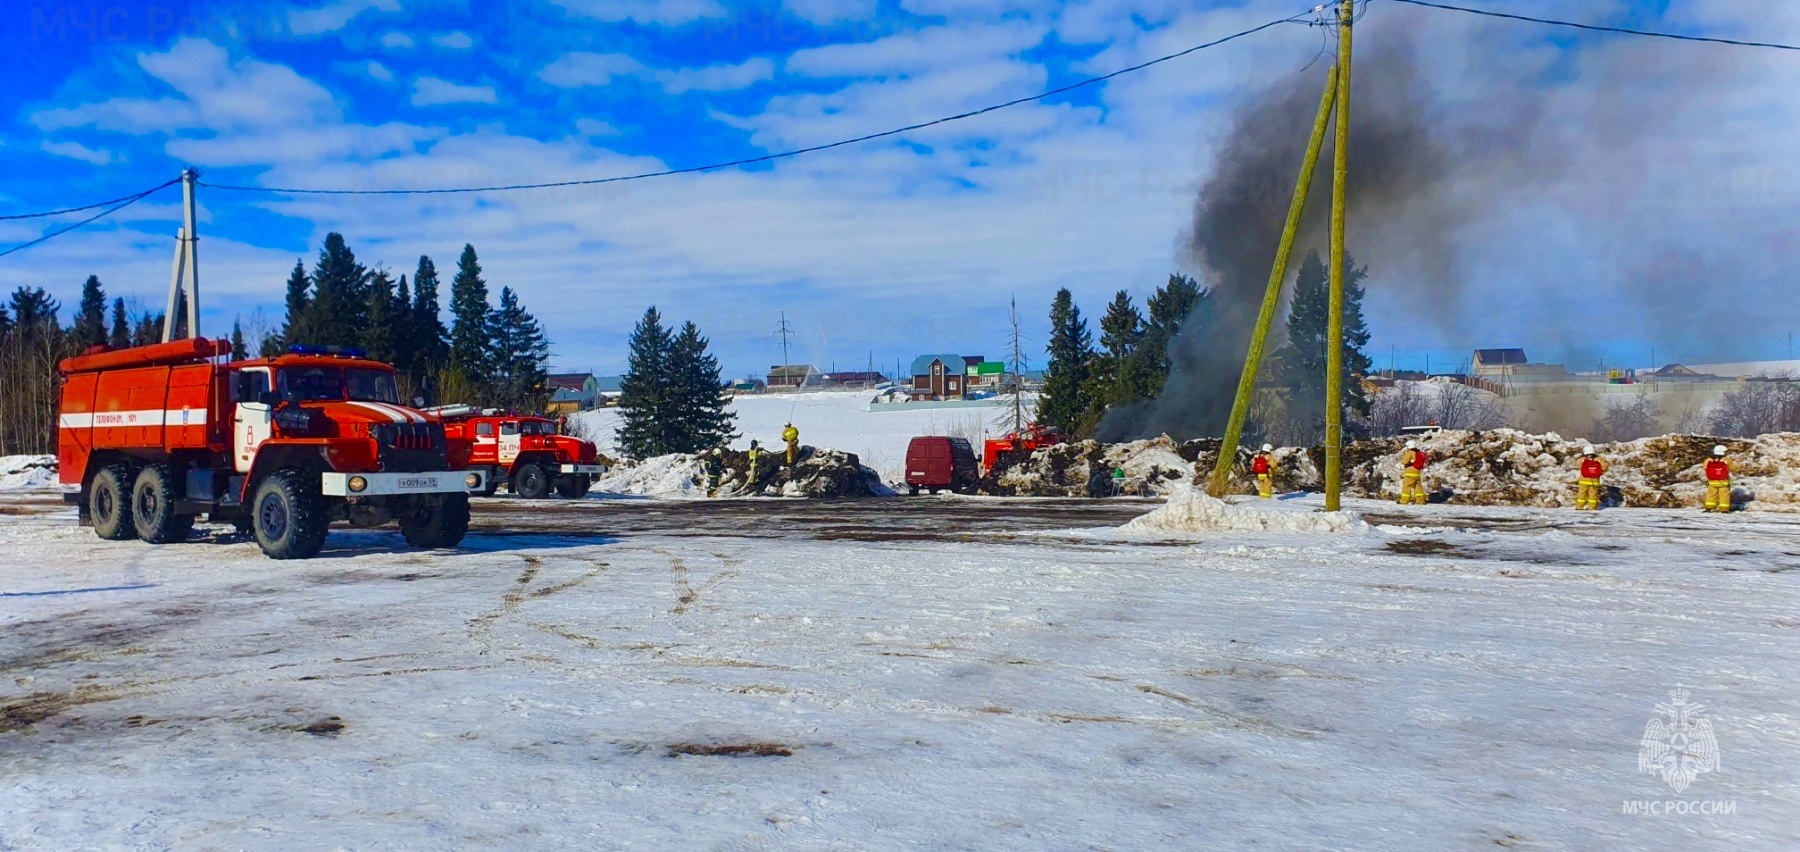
338 351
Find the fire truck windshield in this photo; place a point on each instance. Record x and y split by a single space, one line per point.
536 427
334 383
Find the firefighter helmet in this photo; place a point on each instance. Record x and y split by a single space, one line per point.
1412 445
1268 448
1587 450
1719 450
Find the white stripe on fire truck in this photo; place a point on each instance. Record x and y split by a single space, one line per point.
403 412
144 417
372 408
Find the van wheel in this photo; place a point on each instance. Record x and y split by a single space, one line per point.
573 485
153 507
109 503
442 523
933 491
532 482
288 516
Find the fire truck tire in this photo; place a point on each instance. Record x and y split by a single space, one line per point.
109 503
912 490
532 482
442 524
153 507
288 517
573 485
492 485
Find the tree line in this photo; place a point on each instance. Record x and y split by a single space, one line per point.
489 355
1135 355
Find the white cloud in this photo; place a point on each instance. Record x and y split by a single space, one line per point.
396 41
431 91
77 151
218 94
716 78
668 13
831 11
572 70
365 68
931 48
591 127
334 16
457 40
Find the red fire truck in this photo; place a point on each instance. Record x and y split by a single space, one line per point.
524 453
156 435
1031 438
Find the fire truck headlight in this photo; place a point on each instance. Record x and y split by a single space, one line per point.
358 483
473 480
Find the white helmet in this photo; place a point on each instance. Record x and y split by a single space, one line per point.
1719 450
1268 448
1587 450
1412 445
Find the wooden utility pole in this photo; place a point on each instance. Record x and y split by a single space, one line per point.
1334 329
1240 407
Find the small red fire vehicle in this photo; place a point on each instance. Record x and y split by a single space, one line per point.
522 452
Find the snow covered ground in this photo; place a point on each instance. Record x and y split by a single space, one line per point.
1439 677
839 420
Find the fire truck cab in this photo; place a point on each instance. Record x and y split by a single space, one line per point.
527 454
154 436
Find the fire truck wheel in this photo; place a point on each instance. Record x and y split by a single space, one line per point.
289 518
443 523
912 490
532 482
153 507
573 485
109 503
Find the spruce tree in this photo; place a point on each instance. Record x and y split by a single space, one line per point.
430 340
381 336
519 354
1121 327
90 316
339 311
299 299
470 341
239 350
1065 403
120 337
696 418
645 389
1301 362
406 358
1180 304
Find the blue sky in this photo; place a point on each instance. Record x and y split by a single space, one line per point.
901 246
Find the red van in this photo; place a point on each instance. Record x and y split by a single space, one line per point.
935 462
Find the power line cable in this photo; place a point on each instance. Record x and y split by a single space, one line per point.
781 155
125 202
1598 28
132 197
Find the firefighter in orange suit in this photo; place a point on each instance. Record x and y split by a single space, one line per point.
1718 482
1587 488
792 437
1412 474
1263 465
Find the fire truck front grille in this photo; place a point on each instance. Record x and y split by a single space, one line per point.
411 446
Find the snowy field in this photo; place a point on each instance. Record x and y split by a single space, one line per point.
839 420
633 674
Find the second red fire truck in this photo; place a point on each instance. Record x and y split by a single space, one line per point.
526 454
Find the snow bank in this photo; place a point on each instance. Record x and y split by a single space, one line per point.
1153 467
1190 510
18 472
1514 468
819 473
673 475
